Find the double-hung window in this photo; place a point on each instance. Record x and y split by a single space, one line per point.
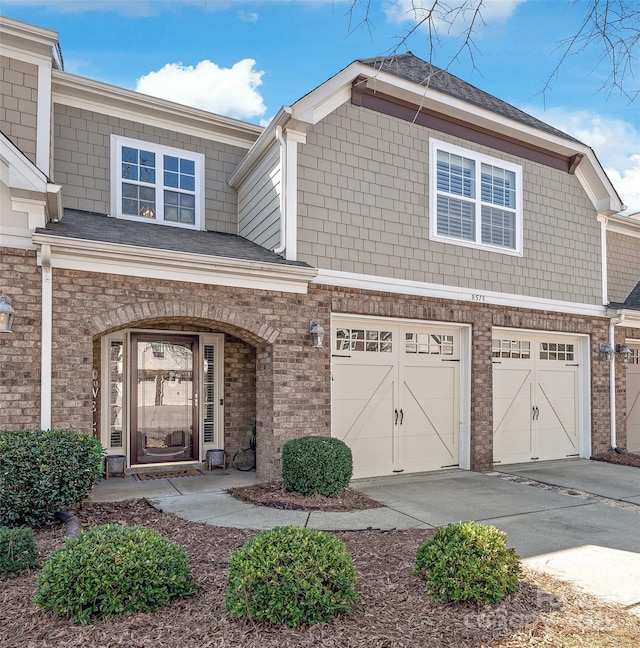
475 200
157 183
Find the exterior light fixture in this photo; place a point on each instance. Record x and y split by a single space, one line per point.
624 351
607 349
7 314
317 334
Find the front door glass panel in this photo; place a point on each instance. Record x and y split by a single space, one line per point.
164 407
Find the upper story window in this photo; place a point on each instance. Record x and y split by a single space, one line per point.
154 182
475 200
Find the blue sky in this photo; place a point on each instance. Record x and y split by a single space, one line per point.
246 59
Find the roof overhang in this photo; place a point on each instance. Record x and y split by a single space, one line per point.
71 90
624 317
153 263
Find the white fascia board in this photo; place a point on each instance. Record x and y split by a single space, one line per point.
628 318
110 258
423 289
85 94
623 225
22 173
262 145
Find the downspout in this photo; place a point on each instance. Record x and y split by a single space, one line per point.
46 338
283 191
612 384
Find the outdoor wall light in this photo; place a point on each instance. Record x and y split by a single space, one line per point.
7 314
607 349
317 334
624 351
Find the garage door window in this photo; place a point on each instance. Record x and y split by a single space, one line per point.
511 349
367 340
555 351
430 343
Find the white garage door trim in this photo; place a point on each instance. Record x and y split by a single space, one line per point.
389 374
582 358
632 388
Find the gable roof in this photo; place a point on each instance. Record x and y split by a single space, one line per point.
411 68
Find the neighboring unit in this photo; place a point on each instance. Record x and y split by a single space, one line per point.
477 286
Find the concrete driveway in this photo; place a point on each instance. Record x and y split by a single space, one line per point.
577 520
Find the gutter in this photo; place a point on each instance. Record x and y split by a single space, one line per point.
612 384
283 191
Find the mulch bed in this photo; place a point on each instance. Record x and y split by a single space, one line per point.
394 610
624 459
275 495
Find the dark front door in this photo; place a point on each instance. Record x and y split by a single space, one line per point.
164 398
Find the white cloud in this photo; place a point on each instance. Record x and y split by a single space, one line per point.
616 144
453 17
226 91
248 16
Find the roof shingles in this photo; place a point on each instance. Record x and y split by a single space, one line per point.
98 227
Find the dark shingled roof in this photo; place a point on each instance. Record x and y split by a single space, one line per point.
632 302
410 67
88 226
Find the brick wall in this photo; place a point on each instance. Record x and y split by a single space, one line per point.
20 279
265 330
272 375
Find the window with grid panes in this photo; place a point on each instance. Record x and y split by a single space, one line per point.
157 183
475 199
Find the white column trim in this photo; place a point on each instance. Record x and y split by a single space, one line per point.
46 338
43 122
605 270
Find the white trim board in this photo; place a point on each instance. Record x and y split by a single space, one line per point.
423 289
109 258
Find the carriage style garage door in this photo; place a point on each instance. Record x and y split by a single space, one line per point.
396 395
535 397
633 399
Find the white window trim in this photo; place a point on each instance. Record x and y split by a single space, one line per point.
117 142
479 158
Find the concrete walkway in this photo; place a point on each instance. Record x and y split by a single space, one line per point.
578 520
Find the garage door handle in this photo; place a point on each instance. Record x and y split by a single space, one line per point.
396 421
401 417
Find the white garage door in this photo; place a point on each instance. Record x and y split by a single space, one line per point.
535 397
395 395
633 399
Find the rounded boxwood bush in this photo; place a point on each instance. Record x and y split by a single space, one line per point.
290 576
44 471
468 562
316 464
113 571
18 550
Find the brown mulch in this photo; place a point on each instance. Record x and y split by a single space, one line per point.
624 459
394 610
275 495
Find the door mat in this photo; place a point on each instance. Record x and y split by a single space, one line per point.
167 474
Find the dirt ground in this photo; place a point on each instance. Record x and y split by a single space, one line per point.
394 610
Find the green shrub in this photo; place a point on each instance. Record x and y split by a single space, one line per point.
290 576
44 471
468 563
18 550
113 571
316 464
